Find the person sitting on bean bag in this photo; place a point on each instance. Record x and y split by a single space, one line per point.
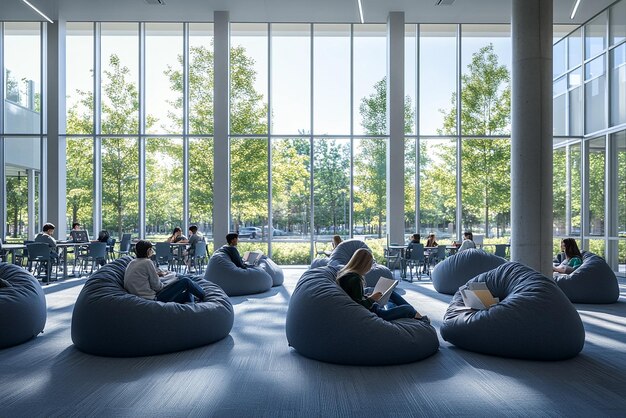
350 279
142 279
573 257
231 250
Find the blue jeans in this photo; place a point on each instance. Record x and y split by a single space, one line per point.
396 308
181 291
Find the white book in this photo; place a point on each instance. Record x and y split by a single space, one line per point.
252 258
385 286
169 278
476 295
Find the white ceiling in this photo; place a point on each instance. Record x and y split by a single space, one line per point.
340 11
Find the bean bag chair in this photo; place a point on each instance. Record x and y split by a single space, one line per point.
109 321
592 282
271 268
319 262
324 324
343 253
236 281
534 319
456 270
22 306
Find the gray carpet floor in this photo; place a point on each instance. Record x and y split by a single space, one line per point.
253 372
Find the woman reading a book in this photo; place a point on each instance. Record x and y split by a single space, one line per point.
573 257
350 279
142 279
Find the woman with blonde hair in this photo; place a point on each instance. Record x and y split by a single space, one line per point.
350 279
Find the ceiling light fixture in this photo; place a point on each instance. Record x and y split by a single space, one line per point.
38 11
361 11
575 9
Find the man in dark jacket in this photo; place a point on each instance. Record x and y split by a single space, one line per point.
231 249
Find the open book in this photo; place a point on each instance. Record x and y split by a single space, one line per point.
385 286
252 258
169 278
476 295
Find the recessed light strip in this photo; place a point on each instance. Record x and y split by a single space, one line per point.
38 11
575 9
361 11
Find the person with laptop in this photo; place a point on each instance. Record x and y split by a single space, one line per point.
350 279
142 279
46 237
231 250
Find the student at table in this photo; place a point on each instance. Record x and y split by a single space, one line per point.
430 242
46 237
415 239
231 250
177 236
468 241
194 238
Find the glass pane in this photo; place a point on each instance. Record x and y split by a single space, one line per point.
595 98
249 189
559 53
248 78
618 85
331 78
617 26
291 78
574 79
597 164
486 186
559 192
22 78
120 101
575 164
576 111
201 185
291 201
409 186
164 88
164 187
597 246
595 36
369 79
200 80
79 182
485 80
370 185
437 79
575 49
410 70
559 115
619 139
120 196
23 172
79 78
331 189
594 68
438 188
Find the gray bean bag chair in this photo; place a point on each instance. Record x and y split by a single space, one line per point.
455 271
343 253
108 321
22 306
271 268
534 319
319 262
234 280
592 282
324 324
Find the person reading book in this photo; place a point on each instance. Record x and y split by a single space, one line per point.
350 279
142 279
573 258
231 250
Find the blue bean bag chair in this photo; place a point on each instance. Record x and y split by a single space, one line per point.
324 323
236 281
456 270
109 321
592 282
319 262
343 253
22 306
271 268
534 319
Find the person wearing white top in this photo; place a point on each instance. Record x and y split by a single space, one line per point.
468 241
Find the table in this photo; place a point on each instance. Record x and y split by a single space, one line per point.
400 249
63 246
179 247
11 248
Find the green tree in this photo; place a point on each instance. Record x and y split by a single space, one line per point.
485 111
332 182
17 201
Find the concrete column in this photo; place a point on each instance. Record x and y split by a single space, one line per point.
221 156
531 134
395 126
30 177
54 166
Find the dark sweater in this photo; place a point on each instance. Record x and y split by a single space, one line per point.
233 254
352 284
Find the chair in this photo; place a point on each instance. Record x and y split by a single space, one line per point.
501 250
95 252
111 249
39 258
199 257
322 252
437 255
124 246
416 259
393 256
163 254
